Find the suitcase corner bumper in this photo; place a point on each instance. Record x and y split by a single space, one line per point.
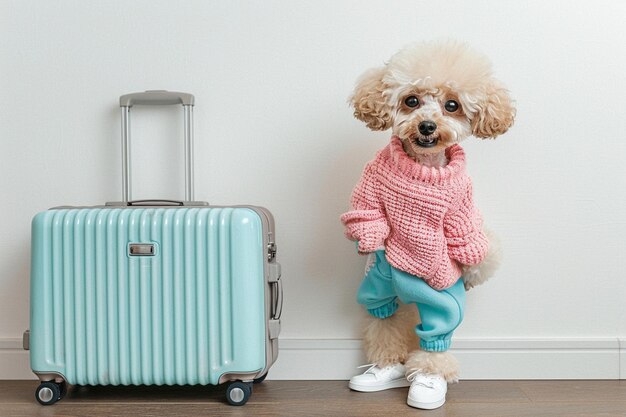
26 340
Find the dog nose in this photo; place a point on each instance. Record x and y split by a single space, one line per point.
427 127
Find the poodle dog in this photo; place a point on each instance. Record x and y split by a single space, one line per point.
413 212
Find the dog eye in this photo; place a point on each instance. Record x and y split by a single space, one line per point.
451 106
411 101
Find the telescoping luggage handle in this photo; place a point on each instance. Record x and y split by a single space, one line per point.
157 98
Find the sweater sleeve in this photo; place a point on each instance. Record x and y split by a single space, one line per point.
367 222
466 241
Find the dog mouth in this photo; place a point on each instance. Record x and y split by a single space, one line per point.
429 141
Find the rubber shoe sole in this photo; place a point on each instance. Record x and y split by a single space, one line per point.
425 406
396 383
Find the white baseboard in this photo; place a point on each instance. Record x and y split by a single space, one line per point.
622 358
14 360
528 358
532 358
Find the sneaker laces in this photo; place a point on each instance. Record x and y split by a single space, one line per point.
368 370
419 378
374 369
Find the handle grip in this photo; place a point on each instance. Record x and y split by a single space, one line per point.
277 308
276 286
153 98
157 98
155 203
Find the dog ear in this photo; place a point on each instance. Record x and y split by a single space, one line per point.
370 105
496 112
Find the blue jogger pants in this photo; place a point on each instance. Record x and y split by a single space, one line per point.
440 311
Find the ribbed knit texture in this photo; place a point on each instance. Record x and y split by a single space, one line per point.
423 216
440 345
384 311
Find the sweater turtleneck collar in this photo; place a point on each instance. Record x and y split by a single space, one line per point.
408 167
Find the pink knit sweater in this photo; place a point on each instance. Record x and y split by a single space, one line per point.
424 217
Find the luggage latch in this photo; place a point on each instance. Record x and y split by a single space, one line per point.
141 249
271 251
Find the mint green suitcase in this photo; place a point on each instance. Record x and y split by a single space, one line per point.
153 292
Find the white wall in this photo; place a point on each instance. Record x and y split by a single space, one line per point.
273 128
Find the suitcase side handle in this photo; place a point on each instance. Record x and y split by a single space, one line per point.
278 301
153 98
157 98
276 286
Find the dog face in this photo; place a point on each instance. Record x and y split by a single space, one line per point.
430 120
433 95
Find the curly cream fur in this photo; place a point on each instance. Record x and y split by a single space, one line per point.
439 363
496 112
388 341
438 70
369 104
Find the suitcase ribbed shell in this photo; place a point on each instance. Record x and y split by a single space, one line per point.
189 313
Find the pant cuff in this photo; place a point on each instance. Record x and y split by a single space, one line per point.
440 345
384 311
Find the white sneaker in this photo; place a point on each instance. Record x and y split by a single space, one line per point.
378 379
427 391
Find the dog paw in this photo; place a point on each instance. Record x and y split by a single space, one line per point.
474 275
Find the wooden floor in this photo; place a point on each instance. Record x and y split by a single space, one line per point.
325 398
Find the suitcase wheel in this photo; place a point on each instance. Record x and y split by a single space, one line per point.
49 392
238 392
